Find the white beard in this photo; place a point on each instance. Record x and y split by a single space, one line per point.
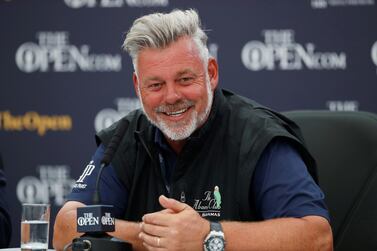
181 130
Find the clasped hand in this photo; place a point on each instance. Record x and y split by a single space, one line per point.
177 227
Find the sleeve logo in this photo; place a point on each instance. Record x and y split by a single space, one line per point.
87 171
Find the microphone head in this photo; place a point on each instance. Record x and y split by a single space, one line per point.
95 219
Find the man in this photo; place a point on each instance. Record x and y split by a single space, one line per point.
199 167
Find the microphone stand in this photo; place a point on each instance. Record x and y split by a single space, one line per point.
99 243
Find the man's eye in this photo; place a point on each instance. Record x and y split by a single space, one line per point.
185 80
154 86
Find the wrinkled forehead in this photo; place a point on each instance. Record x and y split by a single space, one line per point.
183 51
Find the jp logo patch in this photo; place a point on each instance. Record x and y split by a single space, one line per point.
87 171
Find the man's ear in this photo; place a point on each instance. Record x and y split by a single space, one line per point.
136 82
213 72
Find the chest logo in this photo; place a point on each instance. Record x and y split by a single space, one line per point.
209 204
217 195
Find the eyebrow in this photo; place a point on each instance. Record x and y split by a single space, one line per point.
180 73
185 71
152 79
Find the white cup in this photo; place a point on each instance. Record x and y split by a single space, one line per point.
35 223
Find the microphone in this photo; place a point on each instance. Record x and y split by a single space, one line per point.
95 220
109 154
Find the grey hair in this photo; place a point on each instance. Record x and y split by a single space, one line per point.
159 30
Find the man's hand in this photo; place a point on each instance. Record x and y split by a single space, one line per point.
177 227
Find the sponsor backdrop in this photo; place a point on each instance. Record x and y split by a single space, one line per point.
64 76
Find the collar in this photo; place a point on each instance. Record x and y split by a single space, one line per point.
159 140
206 127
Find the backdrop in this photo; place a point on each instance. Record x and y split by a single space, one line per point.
64 75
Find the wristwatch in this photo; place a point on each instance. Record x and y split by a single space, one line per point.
215 240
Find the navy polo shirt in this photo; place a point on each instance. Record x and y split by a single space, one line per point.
281 185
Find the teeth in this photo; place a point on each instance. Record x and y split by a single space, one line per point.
177 113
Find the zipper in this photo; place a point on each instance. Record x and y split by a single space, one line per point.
183 197
163 170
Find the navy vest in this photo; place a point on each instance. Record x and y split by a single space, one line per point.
222 153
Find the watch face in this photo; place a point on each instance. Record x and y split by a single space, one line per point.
216 244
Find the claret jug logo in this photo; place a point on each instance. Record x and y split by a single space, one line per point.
280 51
52 186
209 204
33 121
115 3
108 116
374 54
53 52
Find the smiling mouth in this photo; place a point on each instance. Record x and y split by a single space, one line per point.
177 113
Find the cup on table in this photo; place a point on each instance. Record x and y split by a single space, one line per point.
35 223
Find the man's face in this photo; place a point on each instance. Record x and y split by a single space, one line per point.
175 87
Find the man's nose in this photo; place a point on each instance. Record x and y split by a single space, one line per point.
172 94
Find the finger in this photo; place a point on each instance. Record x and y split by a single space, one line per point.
158 218
167 211
172 204
150 248
152 216
154 229
152 241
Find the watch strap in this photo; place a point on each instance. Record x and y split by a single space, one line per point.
215 226
216 231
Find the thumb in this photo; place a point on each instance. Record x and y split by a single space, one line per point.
171 204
